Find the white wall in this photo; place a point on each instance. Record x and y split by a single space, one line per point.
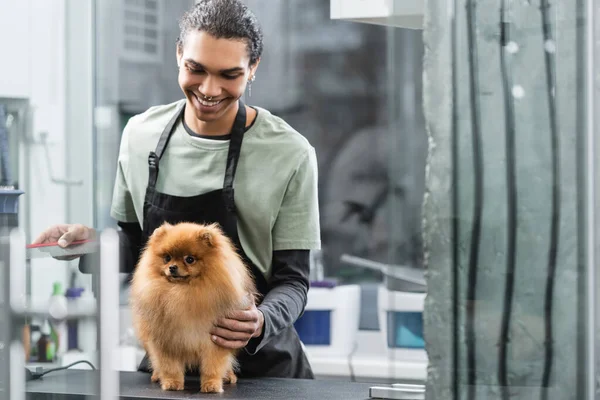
34 66
47 99
14 23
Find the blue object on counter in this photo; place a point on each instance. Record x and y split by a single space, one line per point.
314 327
405 330
71 294
9 201
6 178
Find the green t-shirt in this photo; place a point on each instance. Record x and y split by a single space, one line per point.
275 183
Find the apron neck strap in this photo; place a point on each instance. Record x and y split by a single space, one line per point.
155 155
235 145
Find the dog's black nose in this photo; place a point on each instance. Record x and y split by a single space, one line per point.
173 269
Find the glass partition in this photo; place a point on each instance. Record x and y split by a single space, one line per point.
510 201
456 190
354 92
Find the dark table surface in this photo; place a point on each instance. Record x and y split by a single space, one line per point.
76 384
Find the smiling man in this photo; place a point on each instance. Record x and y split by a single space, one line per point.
213 77
182 161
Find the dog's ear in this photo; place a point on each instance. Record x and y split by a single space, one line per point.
206 237
161 230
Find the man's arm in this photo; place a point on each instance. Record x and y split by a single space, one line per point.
130 246
295 232
285 303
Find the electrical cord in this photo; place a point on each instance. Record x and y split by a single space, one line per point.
478 171
511 190
550 64
39 375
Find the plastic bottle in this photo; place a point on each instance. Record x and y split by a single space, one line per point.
58 310
27 342
46 348
36 334
86 328
58 303
73 295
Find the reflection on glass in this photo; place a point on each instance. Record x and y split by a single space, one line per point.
515 238
353 90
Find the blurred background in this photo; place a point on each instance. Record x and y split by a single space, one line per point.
384 91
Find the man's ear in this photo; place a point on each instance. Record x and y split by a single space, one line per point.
178 55
253 68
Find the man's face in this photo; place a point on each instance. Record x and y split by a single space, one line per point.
217 69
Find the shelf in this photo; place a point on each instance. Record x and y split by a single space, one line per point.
394 13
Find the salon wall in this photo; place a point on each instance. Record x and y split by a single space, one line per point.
533 165
35 72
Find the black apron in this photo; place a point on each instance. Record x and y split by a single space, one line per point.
282 356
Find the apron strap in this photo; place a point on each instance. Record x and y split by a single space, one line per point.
233 155
154 157
235 146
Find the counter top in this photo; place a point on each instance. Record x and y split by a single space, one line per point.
77 384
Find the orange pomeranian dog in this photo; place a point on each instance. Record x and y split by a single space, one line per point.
188 276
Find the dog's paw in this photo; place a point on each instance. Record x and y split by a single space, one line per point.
172 385
230 377
212 386
155 378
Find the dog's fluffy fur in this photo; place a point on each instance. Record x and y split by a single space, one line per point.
188 276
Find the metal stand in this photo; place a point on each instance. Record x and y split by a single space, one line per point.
5 316
108 325
14 308
12 355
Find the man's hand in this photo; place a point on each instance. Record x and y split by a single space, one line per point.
236 330
65 234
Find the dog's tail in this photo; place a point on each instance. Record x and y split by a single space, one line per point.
235 364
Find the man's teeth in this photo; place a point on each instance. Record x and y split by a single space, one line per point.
208 103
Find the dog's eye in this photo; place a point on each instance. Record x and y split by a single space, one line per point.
190 259
167 258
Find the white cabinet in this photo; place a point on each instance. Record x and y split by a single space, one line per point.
15 48
397 13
